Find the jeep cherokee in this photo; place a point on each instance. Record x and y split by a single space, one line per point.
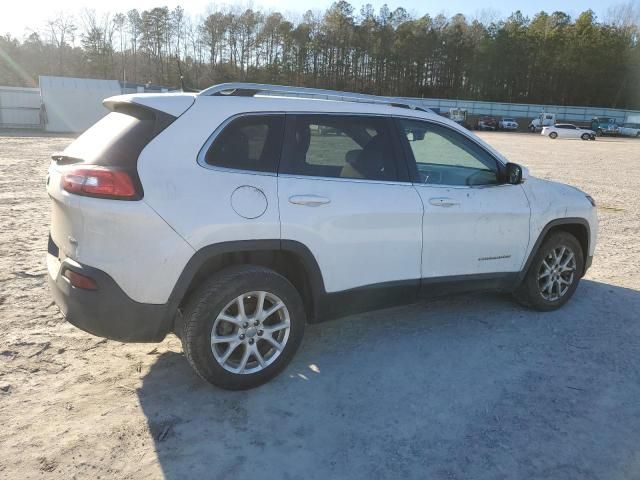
235 216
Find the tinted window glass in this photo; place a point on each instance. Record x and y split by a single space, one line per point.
248 143
339 146
445 157
118 138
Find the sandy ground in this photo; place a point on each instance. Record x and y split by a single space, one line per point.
458 388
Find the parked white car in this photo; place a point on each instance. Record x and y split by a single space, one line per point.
508 124
630 130
567 130
232 218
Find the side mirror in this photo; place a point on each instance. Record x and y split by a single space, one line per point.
514 174
418 134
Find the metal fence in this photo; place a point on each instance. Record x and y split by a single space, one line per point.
522 110
20 107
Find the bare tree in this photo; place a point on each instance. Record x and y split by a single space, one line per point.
119 21
62 29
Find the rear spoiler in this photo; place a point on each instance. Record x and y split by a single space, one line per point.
169 103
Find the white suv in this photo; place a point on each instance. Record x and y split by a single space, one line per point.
235 216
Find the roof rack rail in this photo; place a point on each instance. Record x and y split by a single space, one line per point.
239 89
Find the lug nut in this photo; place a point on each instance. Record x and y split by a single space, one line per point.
241 336
260 332
251 341
256 323
245 325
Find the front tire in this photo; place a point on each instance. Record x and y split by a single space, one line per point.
553 135
242 327
585 136
554 273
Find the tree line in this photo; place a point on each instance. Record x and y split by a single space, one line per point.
549 58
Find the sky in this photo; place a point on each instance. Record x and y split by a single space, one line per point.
22 17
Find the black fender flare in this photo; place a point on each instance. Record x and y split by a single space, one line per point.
205 254
555 223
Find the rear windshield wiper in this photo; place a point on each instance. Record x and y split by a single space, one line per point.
62 159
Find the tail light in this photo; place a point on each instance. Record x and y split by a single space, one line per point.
97 181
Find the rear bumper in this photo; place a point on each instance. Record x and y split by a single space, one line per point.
108 311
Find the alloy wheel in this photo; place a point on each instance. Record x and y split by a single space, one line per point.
557 273
250 332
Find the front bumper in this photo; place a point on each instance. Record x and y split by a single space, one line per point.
108 311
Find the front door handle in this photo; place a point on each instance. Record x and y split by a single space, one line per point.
443 202
309 200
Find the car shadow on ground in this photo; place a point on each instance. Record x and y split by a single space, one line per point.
461 387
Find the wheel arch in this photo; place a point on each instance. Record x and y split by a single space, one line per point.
289 258
576 226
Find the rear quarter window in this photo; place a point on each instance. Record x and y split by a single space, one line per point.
252 143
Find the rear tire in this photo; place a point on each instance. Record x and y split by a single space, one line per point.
236 345
553 135
554 273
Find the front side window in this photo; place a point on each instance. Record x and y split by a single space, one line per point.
445 157
251 142
339 146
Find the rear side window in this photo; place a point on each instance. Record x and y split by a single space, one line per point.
251 143
340 146
118 138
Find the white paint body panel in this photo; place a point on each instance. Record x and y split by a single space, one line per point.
172 103
551 200
195 200
368 232
486 230
127 240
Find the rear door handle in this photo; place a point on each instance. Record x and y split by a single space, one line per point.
443 202
309 200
